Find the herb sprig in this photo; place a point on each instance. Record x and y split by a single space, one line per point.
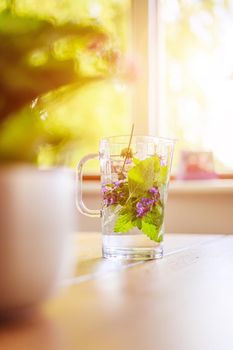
136 198
127 153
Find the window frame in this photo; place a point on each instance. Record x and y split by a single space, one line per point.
145 44
147 98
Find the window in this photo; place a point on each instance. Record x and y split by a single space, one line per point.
196 62
75 71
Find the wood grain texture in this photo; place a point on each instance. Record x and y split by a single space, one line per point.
182 302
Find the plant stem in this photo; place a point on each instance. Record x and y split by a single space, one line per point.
128 149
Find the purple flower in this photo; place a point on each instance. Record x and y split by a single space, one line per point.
104 189
110 199
141 209
118 183
146 204
155 194
128 161
154 190
114 193
144 200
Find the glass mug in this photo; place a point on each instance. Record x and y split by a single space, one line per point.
134 185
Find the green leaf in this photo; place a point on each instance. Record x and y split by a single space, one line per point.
151 231
136 161
152 223
123 223
156 161
142 175
163 175
156 215
138 222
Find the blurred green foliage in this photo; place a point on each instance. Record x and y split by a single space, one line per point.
61 82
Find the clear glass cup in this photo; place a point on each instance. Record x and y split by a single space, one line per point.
134 185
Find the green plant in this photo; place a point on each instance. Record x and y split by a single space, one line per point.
45 62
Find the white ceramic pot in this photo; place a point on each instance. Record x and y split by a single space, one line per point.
36 220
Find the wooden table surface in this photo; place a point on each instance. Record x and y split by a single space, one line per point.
182 302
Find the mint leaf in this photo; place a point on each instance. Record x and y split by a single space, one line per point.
156 161
161 172
151 231
155 217
123 223
142 175
138 222
136 161
163 175
152 223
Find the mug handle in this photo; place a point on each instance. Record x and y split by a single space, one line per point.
79 193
